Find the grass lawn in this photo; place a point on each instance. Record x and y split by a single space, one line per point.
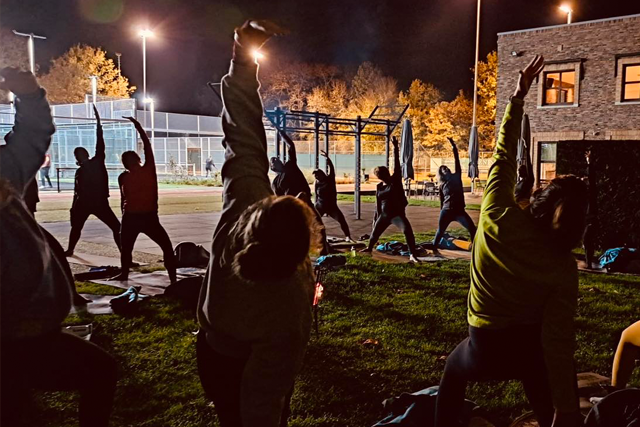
412 202
416 312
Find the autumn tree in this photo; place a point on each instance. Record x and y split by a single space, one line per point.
487 101
331 98
449 119
371 88
68 78
13 53
421 98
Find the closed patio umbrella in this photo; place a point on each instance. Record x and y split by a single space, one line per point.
406 150
474 152
524 143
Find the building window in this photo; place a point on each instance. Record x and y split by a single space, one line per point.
548 154
559 87
631 82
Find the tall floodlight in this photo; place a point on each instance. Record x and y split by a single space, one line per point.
567 9
152 108
118 54
474 127
146 33
30 48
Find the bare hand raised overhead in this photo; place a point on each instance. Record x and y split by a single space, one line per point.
527 76
97 115
395 142
323 153
453 144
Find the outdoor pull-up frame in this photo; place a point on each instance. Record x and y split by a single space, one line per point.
317 123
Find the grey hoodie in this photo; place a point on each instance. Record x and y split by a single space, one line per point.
267 323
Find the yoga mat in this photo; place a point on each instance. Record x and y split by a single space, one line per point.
151 284
95 260
99 304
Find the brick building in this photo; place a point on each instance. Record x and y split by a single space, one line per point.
589 92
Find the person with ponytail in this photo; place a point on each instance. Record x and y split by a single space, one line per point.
255 303
524 287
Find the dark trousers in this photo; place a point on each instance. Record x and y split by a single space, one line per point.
80 213
384 221
149 224
57 362
496 354
334 212
221 379
44 174
447 216
589 242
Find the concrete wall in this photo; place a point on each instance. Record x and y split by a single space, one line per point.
596 50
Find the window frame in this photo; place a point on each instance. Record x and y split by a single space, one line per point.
545 103
541 161
624 83
563 66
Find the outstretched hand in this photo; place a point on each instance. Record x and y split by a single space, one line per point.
527 76
97 115
324 154
395 142
18 82
453 144
286 137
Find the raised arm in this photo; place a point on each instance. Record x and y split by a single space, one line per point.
149 160
332 169
397 167
100 147
291 147
29 140
456 156
499 192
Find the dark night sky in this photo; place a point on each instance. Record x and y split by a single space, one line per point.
428 39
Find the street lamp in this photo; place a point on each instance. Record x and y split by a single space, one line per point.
567 9
94 88
152 106
257 55
30 48
145 33
475 79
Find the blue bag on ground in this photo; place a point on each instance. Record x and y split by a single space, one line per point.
617 259
331 261
417 409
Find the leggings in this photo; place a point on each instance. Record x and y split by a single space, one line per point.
149 224
58 362
334 212
496 354
383 222
79 215
447 216
626 354
221 379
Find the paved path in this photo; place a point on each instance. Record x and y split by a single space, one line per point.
199 227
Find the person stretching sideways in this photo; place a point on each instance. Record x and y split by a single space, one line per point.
255 302
290 181
139 203
524 287
91 191
327 196
391 203
452 200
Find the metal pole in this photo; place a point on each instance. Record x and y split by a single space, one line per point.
284 144
326 143
144 77
475 68
30 48
94 88
356 190
570 17
387 144
119 55
277 133
153 123
317 135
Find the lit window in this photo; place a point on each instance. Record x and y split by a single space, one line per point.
559 87
631 82
548 155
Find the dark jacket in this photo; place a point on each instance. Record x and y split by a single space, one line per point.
326 193
390 198
451 192
291 181
92 179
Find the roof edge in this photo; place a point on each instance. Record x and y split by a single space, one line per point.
617 18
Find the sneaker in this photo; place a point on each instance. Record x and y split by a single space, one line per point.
413 259
349 240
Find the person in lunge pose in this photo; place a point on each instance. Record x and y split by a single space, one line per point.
255 302
139 202
327 196
37 283
524 287
91 191
452 200
290 181
391 203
